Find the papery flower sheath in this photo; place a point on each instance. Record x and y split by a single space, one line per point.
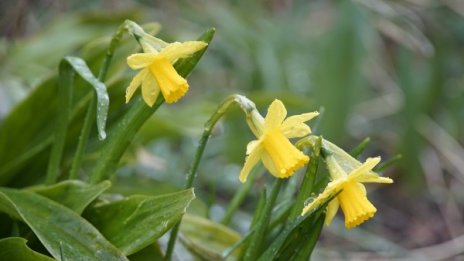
351 195
157 72
280 157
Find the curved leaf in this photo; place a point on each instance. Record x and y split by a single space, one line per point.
206 238
68 66
74 194
297 240
103 100
63 233
137 221
15 249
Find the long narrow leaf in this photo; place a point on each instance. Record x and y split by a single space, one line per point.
298 238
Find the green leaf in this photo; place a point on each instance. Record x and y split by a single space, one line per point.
206 238
68 66
185 66
35 134
152 252
74 194
103 101
15 249
297 240
137 221
358 150
62 232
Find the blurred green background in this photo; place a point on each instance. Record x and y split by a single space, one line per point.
389 70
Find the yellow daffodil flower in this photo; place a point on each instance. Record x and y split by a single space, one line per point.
158 73
280 157
351 192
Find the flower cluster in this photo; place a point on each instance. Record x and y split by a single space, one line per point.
274 132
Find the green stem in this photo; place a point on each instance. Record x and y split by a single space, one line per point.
65 81
83 138
172 242
254 246
307 187
209 126
109 56
240 196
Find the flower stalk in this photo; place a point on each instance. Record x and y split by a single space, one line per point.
239 196
247 106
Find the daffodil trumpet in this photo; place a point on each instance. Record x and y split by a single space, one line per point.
350 192
157 73
273 147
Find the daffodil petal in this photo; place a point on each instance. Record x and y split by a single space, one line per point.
140 60
297 119
294 126
370 177
362 188
269 164
332 189
150 90
135 83
296 130
366 167
250 161
178 50
251 146
332 209
275 115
